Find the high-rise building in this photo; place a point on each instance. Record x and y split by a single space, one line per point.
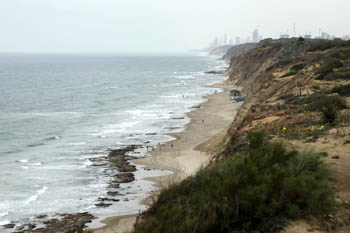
225 39
238 40
231 41
255 36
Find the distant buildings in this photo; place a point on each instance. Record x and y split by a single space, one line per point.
225 39
255 36
238 40
231 41
284 36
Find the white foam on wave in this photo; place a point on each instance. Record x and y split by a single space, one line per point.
25 167
77 143
54 114
185 77
2 223
22 160
4 214
35 164
36 196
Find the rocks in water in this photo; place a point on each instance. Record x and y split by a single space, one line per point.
125 177
9 226
151 134
113 194
215 72
66 223
102 204
118 158
102 199
178 118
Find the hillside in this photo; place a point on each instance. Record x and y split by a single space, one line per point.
220 51
297 92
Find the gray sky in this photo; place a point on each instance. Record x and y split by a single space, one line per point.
140 26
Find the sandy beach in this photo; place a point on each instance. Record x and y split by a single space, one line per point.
180 155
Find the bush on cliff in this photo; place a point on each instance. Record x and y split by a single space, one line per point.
260 190
322 45
329 106
343 90
343 75
328 66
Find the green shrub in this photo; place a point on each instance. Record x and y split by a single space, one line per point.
328 67
322 45
329 106
343 53
343 90
344 75
260 190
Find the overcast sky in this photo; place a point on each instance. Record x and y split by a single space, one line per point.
141 26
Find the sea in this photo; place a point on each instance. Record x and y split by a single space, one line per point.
58 112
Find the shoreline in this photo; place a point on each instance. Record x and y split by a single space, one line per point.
179 155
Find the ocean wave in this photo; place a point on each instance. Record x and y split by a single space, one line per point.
36 144
35 197
185 77
77 143
22 160
35 164
4 222
3 214
51 114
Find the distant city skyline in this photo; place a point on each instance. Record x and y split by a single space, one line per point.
255 37
153 26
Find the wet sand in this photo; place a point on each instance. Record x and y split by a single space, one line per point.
179 155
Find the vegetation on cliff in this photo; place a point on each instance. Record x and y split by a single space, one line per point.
297 92
259 190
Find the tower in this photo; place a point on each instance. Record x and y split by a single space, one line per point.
255 36
225 39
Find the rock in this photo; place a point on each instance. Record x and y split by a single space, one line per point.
125 177
215 72
118 158
111 193
67 223
102 204
9 226
150 134
103 199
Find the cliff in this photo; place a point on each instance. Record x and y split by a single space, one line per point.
296 92
220 51
282 81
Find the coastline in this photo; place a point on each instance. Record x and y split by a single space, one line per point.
179 155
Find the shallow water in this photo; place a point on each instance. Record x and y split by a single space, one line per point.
57 111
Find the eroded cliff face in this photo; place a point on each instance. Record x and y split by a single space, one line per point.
274 71
279 79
